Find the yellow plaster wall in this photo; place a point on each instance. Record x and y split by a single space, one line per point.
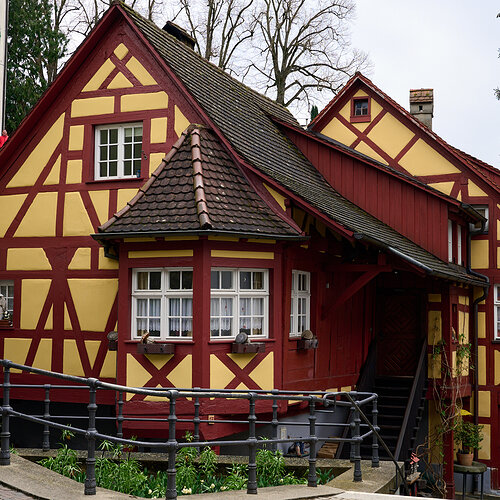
76 221
72 364
181 123
67 319
390 135
139 254
278 197
53 177
92 348
481 325
155 160
140 72
182 375
475 190
345 112
336 130
140 102
30 170
49 324
485 451
93 299
444 187
99 76
263 373
137 375
27 259
100 200
242 255
105 262
121 51
16 350
33 295
76 134
158 130
241 360
434 366
108 369
220 374
92 106
481 365
81 259
421 159
484 400
9 207
497 368
362 147
120 81
479 254
43 356
40 219
434 327
124 196
434 297
74 172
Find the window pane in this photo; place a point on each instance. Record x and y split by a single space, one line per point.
175 280
245 323
154 307
113 136
227 280
142 280
128 134
187 280
174 327
142 326
214 280
103 169
187 307
245 280
113 168
155 280
245 307
226 328
258 281
137 150
127 151
154 327
142 307
226 306
138 134
104 137
113 152
257 326
214 307
258 307
127 167
174 307
214 327
187 327
103 152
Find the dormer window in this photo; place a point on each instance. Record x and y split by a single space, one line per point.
360 109
118 150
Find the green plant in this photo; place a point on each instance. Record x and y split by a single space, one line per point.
325 476
468 435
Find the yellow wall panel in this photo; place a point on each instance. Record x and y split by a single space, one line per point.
345 112
159 360
481 365
105 262
484 400
139 254
242 255
241 387
33 295
278 197
475 190
93 106
263 373
99 76
336 130
93 299
81 259
444 187
43 356
74 172
434 366
53 177
9 206
376 108
120 81
108 369
361 126
182 375
124 195
485 451
390 135
421 159
140 72
92 347
181 122
137 375
242 360
158 130
40 219
434 327
434 297
76 221
72 364
362 147
481 325
497 368
30 170
220 374
16 350
479 254
76 134
141 102
100 199
121 51
49 324
67 319
27 259
155 160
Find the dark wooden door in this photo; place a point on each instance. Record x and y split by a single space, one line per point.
399 334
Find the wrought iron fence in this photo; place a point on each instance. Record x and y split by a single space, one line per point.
360 426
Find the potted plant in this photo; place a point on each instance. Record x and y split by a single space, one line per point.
468 436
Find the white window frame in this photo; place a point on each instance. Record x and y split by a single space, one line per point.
480 209
297 295
496 307
459 245
450 240
165 294
120 154
235 294
4 290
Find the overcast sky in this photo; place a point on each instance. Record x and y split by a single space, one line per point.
448 45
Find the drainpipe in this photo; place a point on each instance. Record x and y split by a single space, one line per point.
475 309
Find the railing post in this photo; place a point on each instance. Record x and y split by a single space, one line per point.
357 442
172 448
119 418
252 448
274 421
196 419
46 416
312 479
375 457
5 434
90 482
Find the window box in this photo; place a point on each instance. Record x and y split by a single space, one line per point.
155 348
307 344
248 348
5 324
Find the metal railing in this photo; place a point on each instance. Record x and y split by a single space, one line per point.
317 401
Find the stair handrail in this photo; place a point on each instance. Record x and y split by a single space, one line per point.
413 401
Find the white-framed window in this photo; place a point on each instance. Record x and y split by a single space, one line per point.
118 150
162 303
239 301
450 241
497 312
7 290
484 211
459 244
300 305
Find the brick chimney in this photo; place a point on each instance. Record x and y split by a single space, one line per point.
422 105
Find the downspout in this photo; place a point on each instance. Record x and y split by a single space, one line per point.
475 310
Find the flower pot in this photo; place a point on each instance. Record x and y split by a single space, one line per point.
464 458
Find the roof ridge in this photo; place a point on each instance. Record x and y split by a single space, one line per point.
198 185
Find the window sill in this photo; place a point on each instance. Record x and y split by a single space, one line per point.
231 341
162 341
155 348
118 179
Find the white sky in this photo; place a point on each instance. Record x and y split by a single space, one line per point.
448 45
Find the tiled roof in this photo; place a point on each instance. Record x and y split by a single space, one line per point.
198 188
421 95
241 115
